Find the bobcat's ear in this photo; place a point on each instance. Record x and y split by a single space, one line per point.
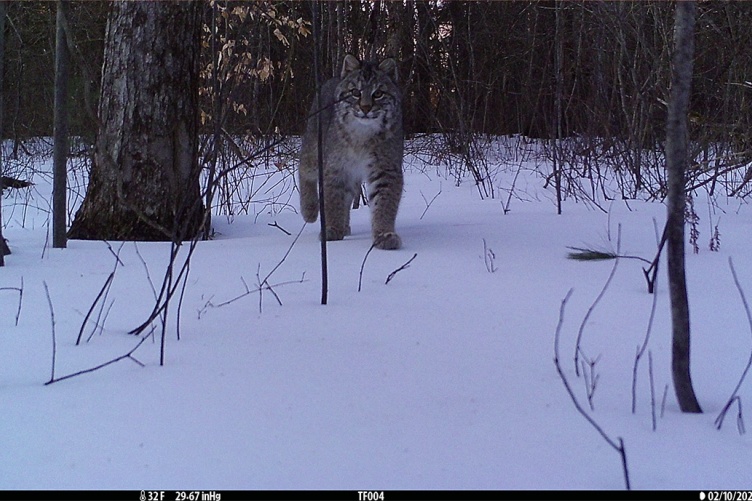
350 64
389 66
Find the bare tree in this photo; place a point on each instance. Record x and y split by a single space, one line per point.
676 164
144 182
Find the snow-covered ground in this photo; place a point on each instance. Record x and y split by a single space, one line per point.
441 379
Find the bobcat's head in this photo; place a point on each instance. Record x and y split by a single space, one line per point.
368 94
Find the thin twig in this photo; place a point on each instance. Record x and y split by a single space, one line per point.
652 388
104 288
170 280
46 241
362 267
663 401
641 349
404 266
505 207
146 269
99 322
248 291
489 257
275 225
100 366
20 298
617 447
104 291
116 254
265 280
180 301
260 287
652 271
722 415
167 290
598 298
590 378
287 253
429 203
52 320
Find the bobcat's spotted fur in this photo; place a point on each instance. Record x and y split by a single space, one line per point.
362 142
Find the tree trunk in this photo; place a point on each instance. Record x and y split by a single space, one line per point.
144 182
421 116
676 162
60 131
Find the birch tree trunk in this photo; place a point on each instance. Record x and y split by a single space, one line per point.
144 182
676 163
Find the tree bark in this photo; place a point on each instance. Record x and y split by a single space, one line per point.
144 182
421 116
676 163
60 131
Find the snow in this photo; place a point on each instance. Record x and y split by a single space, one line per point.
442 379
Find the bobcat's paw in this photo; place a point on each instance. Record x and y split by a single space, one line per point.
387 241
336 233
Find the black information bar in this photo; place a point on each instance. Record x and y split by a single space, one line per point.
374 495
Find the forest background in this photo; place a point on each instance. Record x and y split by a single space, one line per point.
595 72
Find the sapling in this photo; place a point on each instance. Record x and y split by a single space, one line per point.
617 445
734 396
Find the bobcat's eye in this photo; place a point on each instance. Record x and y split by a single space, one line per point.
355 92
378 94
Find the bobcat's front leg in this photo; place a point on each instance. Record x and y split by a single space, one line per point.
385 198
337 206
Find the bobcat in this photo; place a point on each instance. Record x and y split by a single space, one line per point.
362 140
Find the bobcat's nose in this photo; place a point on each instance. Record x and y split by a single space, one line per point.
366 107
